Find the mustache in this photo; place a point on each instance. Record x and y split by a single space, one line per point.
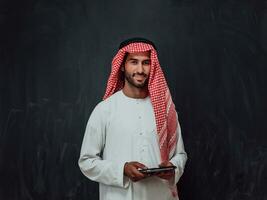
140 74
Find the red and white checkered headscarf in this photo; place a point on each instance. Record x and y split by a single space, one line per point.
164 108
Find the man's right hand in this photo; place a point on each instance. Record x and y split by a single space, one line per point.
131 171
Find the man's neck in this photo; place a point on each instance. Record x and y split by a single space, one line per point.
134 92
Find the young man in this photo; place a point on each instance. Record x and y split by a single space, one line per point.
134 127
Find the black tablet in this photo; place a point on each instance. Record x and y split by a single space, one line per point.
153 171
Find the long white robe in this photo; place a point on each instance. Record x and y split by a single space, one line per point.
123 129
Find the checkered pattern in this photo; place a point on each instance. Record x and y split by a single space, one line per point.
164 108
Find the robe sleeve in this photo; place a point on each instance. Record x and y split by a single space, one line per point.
90 161
179 157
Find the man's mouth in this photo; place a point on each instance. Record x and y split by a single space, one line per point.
139 78
140 75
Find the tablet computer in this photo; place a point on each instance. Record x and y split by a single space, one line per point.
157 170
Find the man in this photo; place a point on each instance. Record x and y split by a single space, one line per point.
134 127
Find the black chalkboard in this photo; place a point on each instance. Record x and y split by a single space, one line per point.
55 59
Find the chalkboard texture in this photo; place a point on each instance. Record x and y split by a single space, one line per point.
55 58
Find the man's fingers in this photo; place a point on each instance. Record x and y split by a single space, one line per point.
131 170
139 165
166 175
165 164
136 175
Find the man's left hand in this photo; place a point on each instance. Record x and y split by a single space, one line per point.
166 175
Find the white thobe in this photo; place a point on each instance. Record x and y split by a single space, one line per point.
123 129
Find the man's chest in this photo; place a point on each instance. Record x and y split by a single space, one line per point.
135 117
131 134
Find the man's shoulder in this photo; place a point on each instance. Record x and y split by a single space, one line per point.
105 105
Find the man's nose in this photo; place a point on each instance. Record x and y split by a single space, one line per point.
140 68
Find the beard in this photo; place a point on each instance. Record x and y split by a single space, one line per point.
130 79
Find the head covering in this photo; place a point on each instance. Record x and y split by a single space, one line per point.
164 108
136 39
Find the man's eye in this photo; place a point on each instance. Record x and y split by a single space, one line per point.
134 62
147 62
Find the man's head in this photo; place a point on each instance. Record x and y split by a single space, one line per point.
135 66
136 69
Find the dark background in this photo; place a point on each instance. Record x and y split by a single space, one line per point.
55 59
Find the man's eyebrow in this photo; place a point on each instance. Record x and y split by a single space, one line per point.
135 59
132 59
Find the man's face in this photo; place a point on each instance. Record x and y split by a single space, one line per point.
137 69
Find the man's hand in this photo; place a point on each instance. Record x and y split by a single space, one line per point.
131 170
166 175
